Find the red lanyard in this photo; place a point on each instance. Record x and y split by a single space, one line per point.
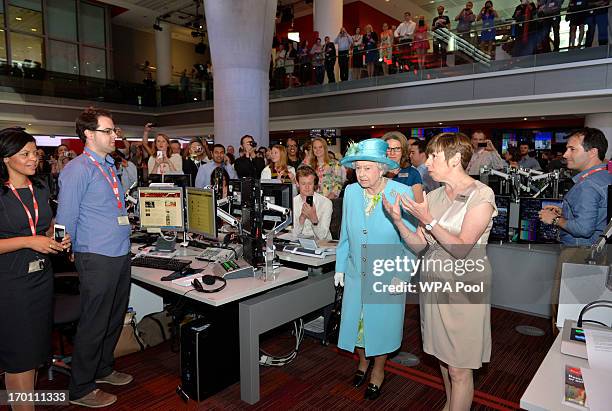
114 184
595 170
33 222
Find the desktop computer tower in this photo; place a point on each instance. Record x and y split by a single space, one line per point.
210 357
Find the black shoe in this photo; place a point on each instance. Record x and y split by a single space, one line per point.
359 378
372 392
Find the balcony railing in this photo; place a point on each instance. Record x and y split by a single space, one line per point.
518 44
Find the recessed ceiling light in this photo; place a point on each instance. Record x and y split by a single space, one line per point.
371 126
18 18
525 118
432 2
29 124
33 29
398 126
291 131
440 123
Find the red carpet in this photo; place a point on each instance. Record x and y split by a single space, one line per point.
320 376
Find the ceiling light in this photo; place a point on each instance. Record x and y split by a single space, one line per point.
18 18
440 123
29 124
33 29
398 126
525 118
371 126
291 131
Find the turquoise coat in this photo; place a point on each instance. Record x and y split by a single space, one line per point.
362 241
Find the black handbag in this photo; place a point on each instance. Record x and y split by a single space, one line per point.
333 324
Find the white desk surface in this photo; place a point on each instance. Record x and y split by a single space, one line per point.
546 390
235 290
304 259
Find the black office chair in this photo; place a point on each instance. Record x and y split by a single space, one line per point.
66 312
336 218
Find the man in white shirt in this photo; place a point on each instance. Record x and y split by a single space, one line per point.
310 220
404 35
485 154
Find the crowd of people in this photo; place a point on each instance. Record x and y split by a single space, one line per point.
412 196
406 46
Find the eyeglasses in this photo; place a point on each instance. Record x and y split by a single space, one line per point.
109 131
394 150
291 145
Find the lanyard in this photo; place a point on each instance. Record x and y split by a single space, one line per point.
114 185
33 222
595 170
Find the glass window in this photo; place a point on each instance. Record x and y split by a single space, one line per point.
93 62
91 25
28 50
61 19
2 46
63 57
25 20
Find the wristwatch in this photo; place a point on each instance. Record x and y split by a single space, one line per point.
431 225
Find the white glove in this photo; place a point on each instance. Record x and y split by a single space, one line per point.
339 279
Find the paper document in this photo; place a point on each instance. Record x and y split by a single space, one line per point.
599 349
597 384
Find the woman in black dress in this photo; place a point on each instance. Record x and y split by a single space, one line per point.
26 277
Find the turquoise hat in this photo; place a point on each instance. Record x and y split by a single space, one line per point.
372 149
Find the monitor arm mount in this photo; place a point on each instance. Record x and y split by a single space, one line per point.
286 222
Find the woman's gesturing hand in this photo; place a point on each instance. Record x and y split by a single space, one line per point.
419 210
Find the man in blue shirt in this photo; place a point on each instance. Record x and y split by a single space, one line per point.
92 208
583 216
206 170
526 160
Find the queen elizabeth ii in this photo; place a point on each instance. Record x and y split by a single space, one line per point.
372 317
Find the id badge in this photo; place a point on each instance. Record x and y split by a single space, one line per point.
123 220
403 175
36 265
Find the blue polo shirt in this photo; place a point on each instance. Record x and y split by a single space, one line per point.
409 176
88 208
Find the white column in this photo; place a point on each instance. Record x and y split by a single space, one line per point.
163 54
240 36
327 20
602 121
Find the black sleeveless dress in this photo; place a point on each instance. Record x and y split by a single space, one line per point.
26 299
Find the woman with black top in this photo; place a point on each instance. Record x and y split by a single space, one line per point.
26 276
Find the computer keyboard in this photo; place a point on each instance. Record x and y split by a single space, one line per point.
160 263
318 253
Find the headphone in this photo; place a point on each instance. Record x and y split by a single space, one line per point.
209 280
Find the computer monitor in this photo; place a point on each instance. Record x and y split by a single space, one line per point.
531 229
280 194
202 212
161 208
501 223
179 180
543 140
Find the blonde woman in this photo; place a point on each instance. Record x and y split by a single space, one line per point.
330 172
161 158
386 47
278 168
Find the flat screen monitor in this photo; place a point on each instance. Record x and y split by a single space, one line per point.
561 136
161 208
501 223
280 194
543 140
201 212
179 180
531 229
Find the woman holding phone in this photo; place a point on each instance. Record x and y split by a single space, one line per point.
26 276
161 158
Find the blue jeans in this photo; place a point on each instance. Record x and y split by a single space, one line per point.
599 20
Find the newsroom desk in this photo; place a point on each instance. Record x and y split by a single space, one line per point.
262 306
